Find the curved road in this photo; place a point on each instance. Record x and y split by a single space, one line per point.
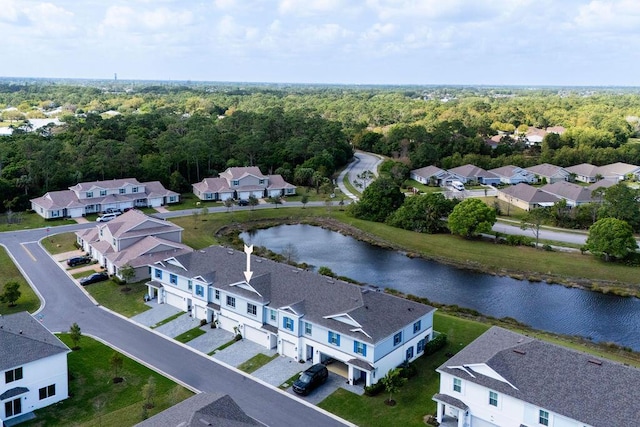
362 162
65 303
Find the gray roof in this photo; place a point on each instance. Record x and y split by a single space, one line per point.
13 392
577 385
603 183
507 171
583 169
203 409
547 170
529 194
25 340
472 171
318 297
135 223
429 171
451 401
617 169
569 191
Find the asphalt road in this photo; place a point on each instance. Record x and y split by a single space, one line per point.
362 162
66 303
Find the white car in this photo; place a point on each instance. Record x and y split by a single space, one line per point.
107 217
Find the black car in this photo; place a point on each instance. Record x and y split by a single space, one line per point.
94 278
243 202
78 260
310 379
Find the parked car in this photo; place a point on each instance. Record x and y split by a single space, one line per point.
113 210
78 260
243 202
107 217
94 278
310 379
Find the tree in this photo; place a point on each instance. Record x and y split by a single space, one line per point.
276 200
471 217
75 333
392 383
11 293
611 238
620 201
127 272
228 203
423 213
149 393
378 200
253 201
116 361
304 200
533 221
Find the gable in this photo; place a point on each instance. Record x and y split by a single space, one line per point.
344 318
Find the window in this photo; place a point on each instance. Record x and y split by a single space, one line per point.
307 328
13 407
89 194
417 326
252 309
261 182
457 385
231 301
122 191
397 339
173 279
420 347
103 192
189 285
287 323
13 375
235 182
47 391
543 417
334 338
493 398
216 294
360 348
409 353
158 274
200 292
272 315
134 190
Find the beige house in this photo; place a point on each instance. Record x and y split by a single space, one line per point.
241 183
549 173
526 197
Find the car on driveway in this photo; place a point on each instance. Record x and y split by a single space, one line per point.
107 217
94 278
78 260
310 379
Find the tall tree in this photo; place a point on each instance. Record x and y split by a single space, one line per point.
471 217
11 293
378 200
611 238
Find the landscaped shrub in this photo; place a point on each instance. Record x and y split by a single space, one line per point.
513 240
203 322
408 370
374 390
435 344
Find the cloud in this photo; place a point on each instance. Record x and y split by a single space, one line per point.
40 19
127 18
599 15
310 7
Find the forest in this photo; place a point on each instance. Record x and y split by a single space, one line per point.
180 133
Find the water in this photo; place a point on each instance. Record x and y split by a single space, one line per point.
547 307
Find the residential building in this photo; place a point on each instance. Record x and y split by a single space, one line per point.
584 172
98 196
574 194
242 183
514 175
549 173
505 379
203 409
33 363
526 197
301 314
556 129
620 171
431 175
133 239
603 183
534 135
471 174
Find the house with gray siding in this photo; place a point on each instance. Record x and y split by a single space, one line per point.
242 183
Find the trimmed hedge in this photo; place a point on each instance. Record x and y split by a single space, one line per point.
374 390
435 344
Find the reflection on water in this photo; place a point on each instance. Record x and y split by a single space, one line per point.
547 307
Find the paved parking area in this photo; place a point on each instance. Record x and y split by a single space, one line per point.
157 313
334 382
241 351
212 339
279 370
178 326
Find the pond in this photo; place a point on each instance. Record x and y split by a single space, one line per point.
542 306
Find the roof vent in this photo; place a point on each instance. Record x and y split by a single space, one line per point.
595 362
230 251
518 351
20 331
295 271
258 260
202 252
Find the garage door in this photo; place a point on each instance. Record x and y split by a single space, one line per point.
176 301
289 349
481 423
227 324
256 335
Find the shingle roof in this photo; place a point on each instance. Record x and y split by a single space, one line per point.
577 385
213 185
135 223
111 183
583 169
547 170
147 251
529 194
240 172
472 171
203 409
277 182
379 314
617 169
603 183
569 191
429 171
23 340
506 171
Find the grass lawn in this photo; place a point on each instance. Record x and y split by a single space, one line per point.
96 401
347 183
189 335
28 300
114 297
256 362
59 243
25 220
167 320
414 398
190 201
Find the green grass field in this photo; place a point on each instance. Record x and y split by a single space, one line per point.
96 401
28 300
29 220
115 297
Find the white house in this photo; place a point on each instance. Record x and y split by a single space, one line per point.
584 172
98 196
504 379
304 315
471 174
133 238
549 173
33 363
429 175
514 175
620 171
242 183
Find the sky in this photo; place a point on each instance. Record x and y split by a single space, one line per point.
444 42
